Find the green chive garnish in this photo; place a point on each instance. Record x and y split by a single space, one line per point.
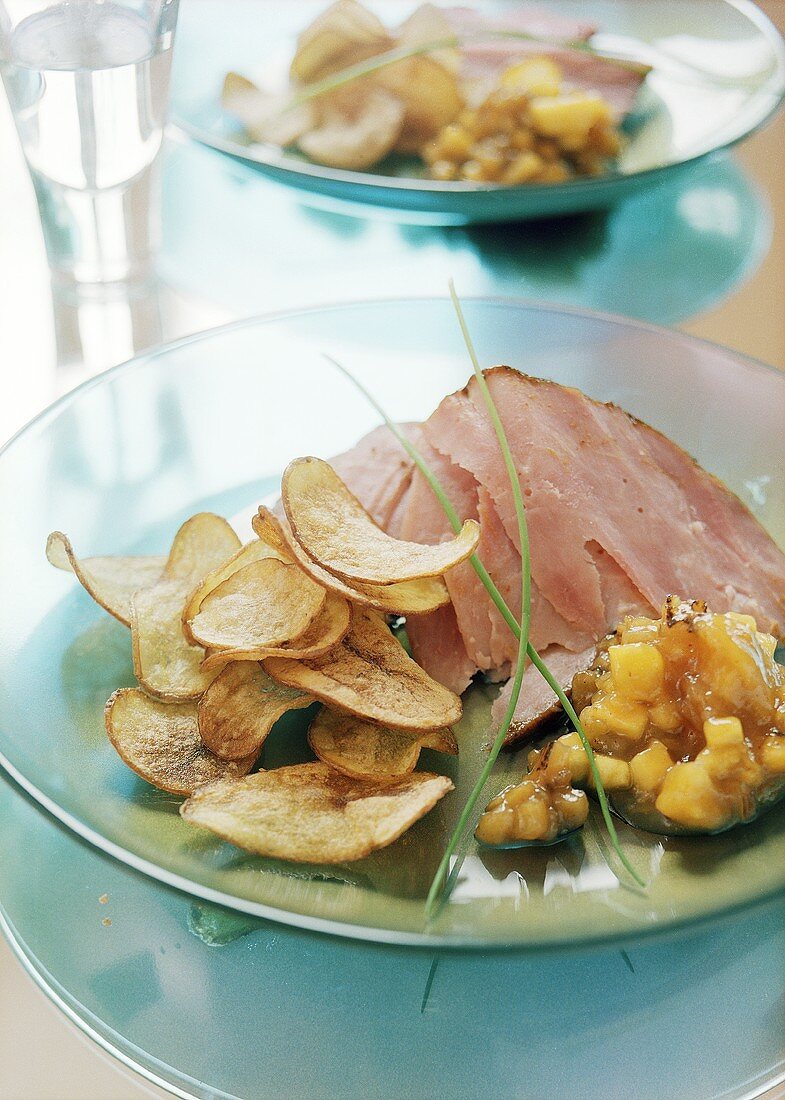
450 42
519 629
437 885
455 41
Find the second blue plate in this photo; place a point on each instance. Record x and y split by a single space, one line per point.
719 73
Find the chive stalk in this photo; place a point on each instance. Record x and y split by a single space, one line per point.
454 41
449 42
435 891
519 629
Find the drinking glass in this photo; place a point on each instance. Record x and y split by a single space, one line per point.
88 83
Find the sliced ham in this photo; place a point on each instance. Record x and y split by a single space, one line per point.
537 700
487 638
528 19
485 60
503 562
618 518
438 647
595 476
425 521
399 510
563 570
378 470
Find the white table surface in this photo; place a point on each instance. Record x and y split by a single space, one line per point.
42 1056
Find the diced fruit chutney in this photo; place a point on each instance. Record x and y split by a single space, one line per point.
541 807
686 718
530 129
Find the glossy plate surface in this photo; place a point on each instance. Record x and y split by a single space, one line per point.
210 423
680 115
167 971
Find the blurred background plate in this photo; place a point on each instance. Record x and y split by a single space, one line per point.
213 1004
210 423
680 117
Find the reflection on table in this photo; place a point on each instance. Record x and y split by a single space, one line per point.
663 255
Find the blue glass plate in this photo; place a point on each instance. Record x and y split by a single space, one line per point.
680 117
210 423
213 1004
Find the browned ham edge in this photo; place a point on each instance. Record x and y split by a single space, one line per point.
538 701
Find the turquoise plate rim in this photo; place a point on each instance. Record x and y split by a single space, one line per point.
392 299
85 1022
320 924
135 1053
343 930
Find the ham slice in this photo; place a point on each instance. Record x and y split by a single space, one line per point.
437 645
425 521
528 19
503 562
537 700
483 61
595 476
487 638
618 517
378 470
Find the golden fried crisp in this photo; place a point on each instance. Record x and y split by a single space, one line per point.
369 674
161 742
267 117
240 707
165 662
309 813
336 531
111 581
341 35
430 94
263 604
416 597
256 550
365 750
326 631
356 140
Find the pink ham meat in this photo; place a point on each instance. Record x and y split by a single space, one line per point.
425 521
603 479
438 646
484 60
618 518
529 19
487 640
378 470
537 700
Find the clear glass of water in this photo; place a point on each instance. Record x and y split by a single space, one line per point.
88 83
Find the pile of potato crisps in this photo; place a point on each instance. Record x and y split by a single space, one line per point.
424 105
226 638
397 109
